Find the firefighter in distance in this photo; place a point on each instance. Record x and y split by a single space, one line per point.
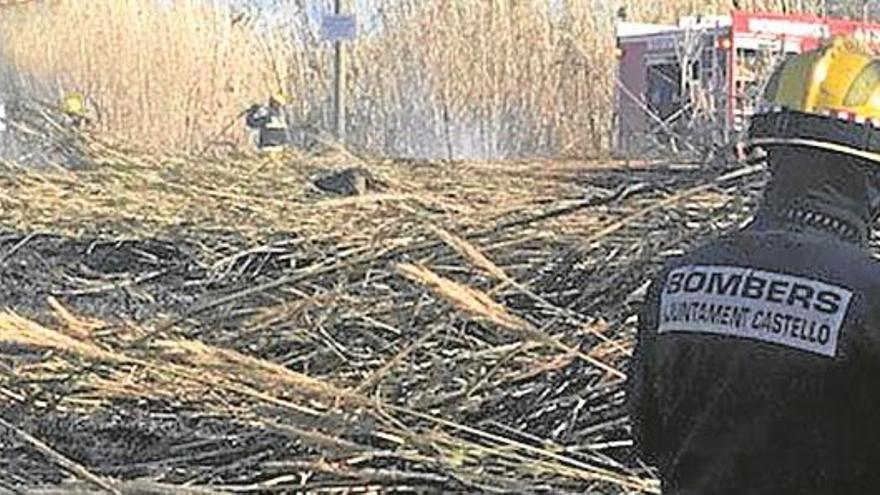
268 124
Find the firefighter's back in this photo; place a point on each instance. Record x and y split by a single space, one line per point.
766 365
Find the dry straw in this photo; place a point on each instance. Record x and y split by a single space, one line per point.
467 78
464 78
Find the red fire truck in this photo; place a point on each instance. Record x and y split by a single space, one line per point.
674 81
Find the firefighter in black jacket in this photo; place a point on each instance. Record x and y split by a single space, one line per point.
268 124
757 364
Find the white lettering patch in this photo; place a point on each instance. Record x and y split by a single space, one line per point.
753 304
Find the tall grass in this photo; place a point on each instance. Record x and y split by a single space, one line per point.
488 78
442 78
165 77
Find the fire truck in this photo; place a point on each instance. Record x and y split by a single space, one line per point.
695 84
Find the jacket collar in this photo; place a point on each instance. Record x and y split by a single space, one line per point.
815 219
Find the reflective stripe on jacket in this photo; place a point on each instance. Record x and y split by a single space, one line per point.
757 367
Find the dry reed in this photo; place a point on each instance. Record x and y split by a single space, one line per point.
479 355
444 79
160 76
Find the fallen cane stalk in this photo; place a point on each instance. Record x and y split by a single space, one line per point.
71 466
482 306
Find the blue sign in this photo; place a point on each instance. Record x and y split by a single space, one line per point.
339 28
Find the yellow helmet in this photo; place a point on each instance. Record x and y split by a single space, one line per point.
74 104
279 98
827 98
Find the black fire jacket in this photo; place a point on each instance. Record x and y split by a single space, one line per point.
757 367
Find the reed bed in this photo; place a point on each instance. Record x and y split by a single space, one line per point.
221 325
439 79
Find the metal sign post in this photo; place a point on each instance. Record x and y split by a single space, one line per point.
338 29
